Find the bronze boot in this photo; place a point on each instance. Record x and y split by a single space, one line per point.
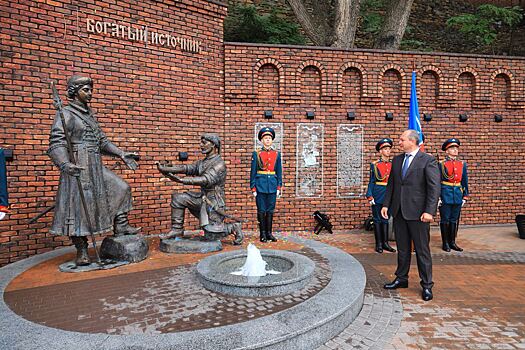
236 229
122 227
82 251
177 224
269 222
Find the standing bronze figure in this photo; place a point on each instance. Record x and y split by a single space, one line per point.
99 201
208 205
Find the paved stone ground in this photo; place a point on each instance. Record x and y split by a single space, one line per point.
479 294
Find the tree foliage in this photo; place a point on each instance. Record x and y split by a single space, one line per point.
484 25
245 24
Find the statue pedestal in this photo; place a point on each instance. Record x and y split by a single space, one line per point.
189 245
131 248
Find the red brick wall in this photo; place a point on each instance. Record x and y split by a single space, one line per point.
149 98
292 80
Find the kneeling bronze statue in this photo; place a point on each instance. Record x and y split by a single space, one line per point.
208 205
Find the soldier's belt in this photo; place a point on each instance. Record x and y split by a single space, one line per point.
382 183
266 172
446 183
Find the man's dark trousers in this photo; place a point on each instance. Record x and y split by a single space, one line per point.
419 232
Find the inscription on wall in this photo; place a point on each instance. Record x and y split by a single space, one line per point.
142 34
309 160
349 160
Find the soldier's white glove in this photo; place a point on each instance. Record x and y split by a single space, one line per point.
463 202
440 202
2 215
254 194
279 194
372 202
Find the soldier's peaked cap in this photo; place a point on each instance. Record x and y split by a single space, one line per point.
266 131
386 142
450 143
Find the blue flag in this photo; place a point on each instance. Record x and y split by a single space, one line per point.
414 122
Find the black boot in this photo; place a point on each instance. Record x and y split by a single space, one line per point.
177 224
121 226
261 217
82 251
444 227
269 222
383 229
378 237
452 233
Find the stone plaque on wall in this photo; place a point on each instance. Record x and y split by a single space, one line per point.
349 160
277 142
309 156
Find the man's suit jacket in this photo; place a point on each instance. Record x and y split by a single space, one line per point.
418 192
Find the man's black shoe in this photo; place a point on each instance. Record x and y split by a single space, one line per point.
427 294
396 284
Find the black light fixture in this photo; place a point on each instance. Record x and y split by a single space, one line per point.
183 156
8 154
463 117
350 115
498 118
310 115
427 117
268 114
389 116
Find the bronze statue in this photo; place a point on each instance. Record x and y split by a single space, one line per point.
90 198
208 205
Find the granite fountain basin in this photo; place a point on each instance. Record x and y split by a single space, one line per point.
296 270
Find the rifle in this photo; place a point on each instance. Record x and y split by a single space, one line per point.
57 102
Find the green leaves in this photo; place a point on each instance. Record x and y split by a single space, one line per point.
484 25
245 24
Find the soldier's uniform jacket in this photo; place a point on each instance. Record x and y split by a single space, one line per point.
266 171
379 174
106 194
454 181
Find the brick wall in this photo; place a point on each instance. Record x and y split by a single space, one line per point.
155 99
331 82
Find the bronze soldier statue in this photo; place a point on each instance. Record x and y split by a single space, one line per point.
106 197
208 205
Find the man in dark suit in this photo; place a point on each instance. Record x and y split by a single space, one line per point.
411 198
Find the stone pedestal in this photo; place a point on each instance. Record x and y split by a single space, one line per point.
189 245
132 248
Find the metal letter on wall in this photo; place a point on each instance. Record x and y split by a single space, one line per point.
349 160
277 142
309 172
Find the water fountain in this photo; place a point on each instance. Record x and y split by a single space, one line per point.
255 273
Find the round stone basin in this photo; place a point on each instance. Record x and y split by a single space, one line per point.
214 272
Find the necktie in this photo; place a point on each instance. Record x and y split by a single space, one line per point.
405 165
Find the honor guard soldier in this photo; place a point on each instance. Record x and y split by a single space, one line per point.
454 193
266 182
379 173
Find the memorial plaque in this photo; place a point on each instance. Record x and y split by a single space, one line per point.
277 142
309 156
349 160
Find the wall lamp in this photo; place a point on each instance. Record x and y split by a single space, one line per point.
463 117
498 118
350 115
310 115
427 117
389 116
268 114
